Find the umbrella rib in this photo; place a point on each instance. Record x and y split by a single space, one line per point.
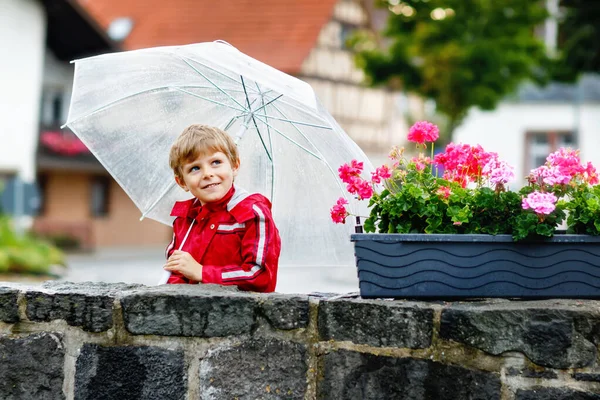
301 109
210 81
296 122
246 93
254 120
290 139
262 140
339 183
112 103
231 121
262 99
209 100
203 87
207 67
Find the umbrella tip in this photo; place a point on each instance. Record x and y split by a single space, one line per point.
224 42
142 217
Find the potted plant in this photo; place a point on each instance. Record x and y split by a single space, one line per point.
449 226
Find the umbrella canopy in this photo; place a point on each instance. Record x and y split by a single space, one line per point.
128 108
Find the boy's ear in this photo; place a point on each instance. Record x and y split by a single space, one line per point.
236 167
181 183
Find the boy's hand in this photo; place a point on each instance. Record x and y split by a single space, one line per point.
184 263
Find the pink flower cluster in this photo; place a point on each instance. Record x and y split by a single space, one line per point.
363 189
541 203
562 167
420 162
464 164
339 212
423 131
498 172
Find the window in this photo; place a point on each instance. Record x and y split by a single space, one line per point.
539 144
346 31
99 196
53 107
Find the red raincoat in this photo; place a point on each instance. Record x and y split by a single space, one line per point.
235 240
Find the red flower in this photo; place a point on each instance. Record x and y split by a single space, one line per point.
338 211
423 131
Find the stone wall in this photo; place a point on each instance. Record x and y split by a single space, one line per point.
101 341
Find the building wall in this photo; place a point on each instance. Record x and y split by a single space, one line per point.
503 130
122 227
22 43
372 117
67 212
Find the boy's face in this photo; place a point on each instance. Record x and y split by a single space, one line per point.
209 177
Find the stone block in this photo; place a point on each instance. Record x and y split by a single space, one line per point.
89 305
529 329
258 369
358 376
9 308
543 393
189 310
286 312
141 372
32 367
586 377
375 322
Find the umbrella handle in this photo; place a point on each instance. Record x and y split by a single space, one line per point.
164 277
167 274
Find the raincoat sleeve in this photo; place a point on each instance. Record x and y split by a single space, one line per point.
260 250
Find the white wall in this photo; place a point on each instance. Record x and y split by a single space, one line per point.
503 130
22 43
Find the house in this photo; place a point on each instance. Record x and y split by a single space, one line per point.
39 39
527 127
305 39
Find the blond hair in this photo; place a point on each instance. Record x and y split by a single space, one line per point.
197 140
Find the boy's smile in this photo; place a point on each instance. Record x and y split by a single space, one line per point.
208 177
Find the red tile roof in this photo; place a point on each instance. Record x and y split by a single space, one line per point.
280 33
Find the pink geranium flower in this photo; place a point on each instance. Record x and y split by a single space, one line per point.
380 174
444 192
591 174
498 172
423 131
349 171
339 212
541 203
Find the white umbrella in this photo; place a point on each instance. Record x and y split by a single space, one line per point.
129 107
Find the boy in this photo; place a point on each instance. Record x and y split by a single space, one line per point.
223 235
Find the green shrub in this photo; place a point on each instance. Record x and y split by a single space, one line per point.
26 253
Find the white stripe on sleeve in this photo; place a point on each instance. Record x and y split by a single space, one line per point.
262 231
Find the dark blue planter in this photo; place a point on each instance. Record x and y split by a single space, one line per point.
476 266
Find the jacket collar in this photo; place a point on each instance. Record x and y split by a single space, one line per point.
193 209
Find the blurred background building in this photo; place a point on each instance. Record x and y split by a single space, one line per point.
76 198
63 192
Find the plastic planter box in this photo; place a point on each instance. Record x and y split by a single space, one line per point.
475 266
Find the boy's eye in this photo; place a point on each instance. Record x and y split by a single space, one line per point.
217 162
194 168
